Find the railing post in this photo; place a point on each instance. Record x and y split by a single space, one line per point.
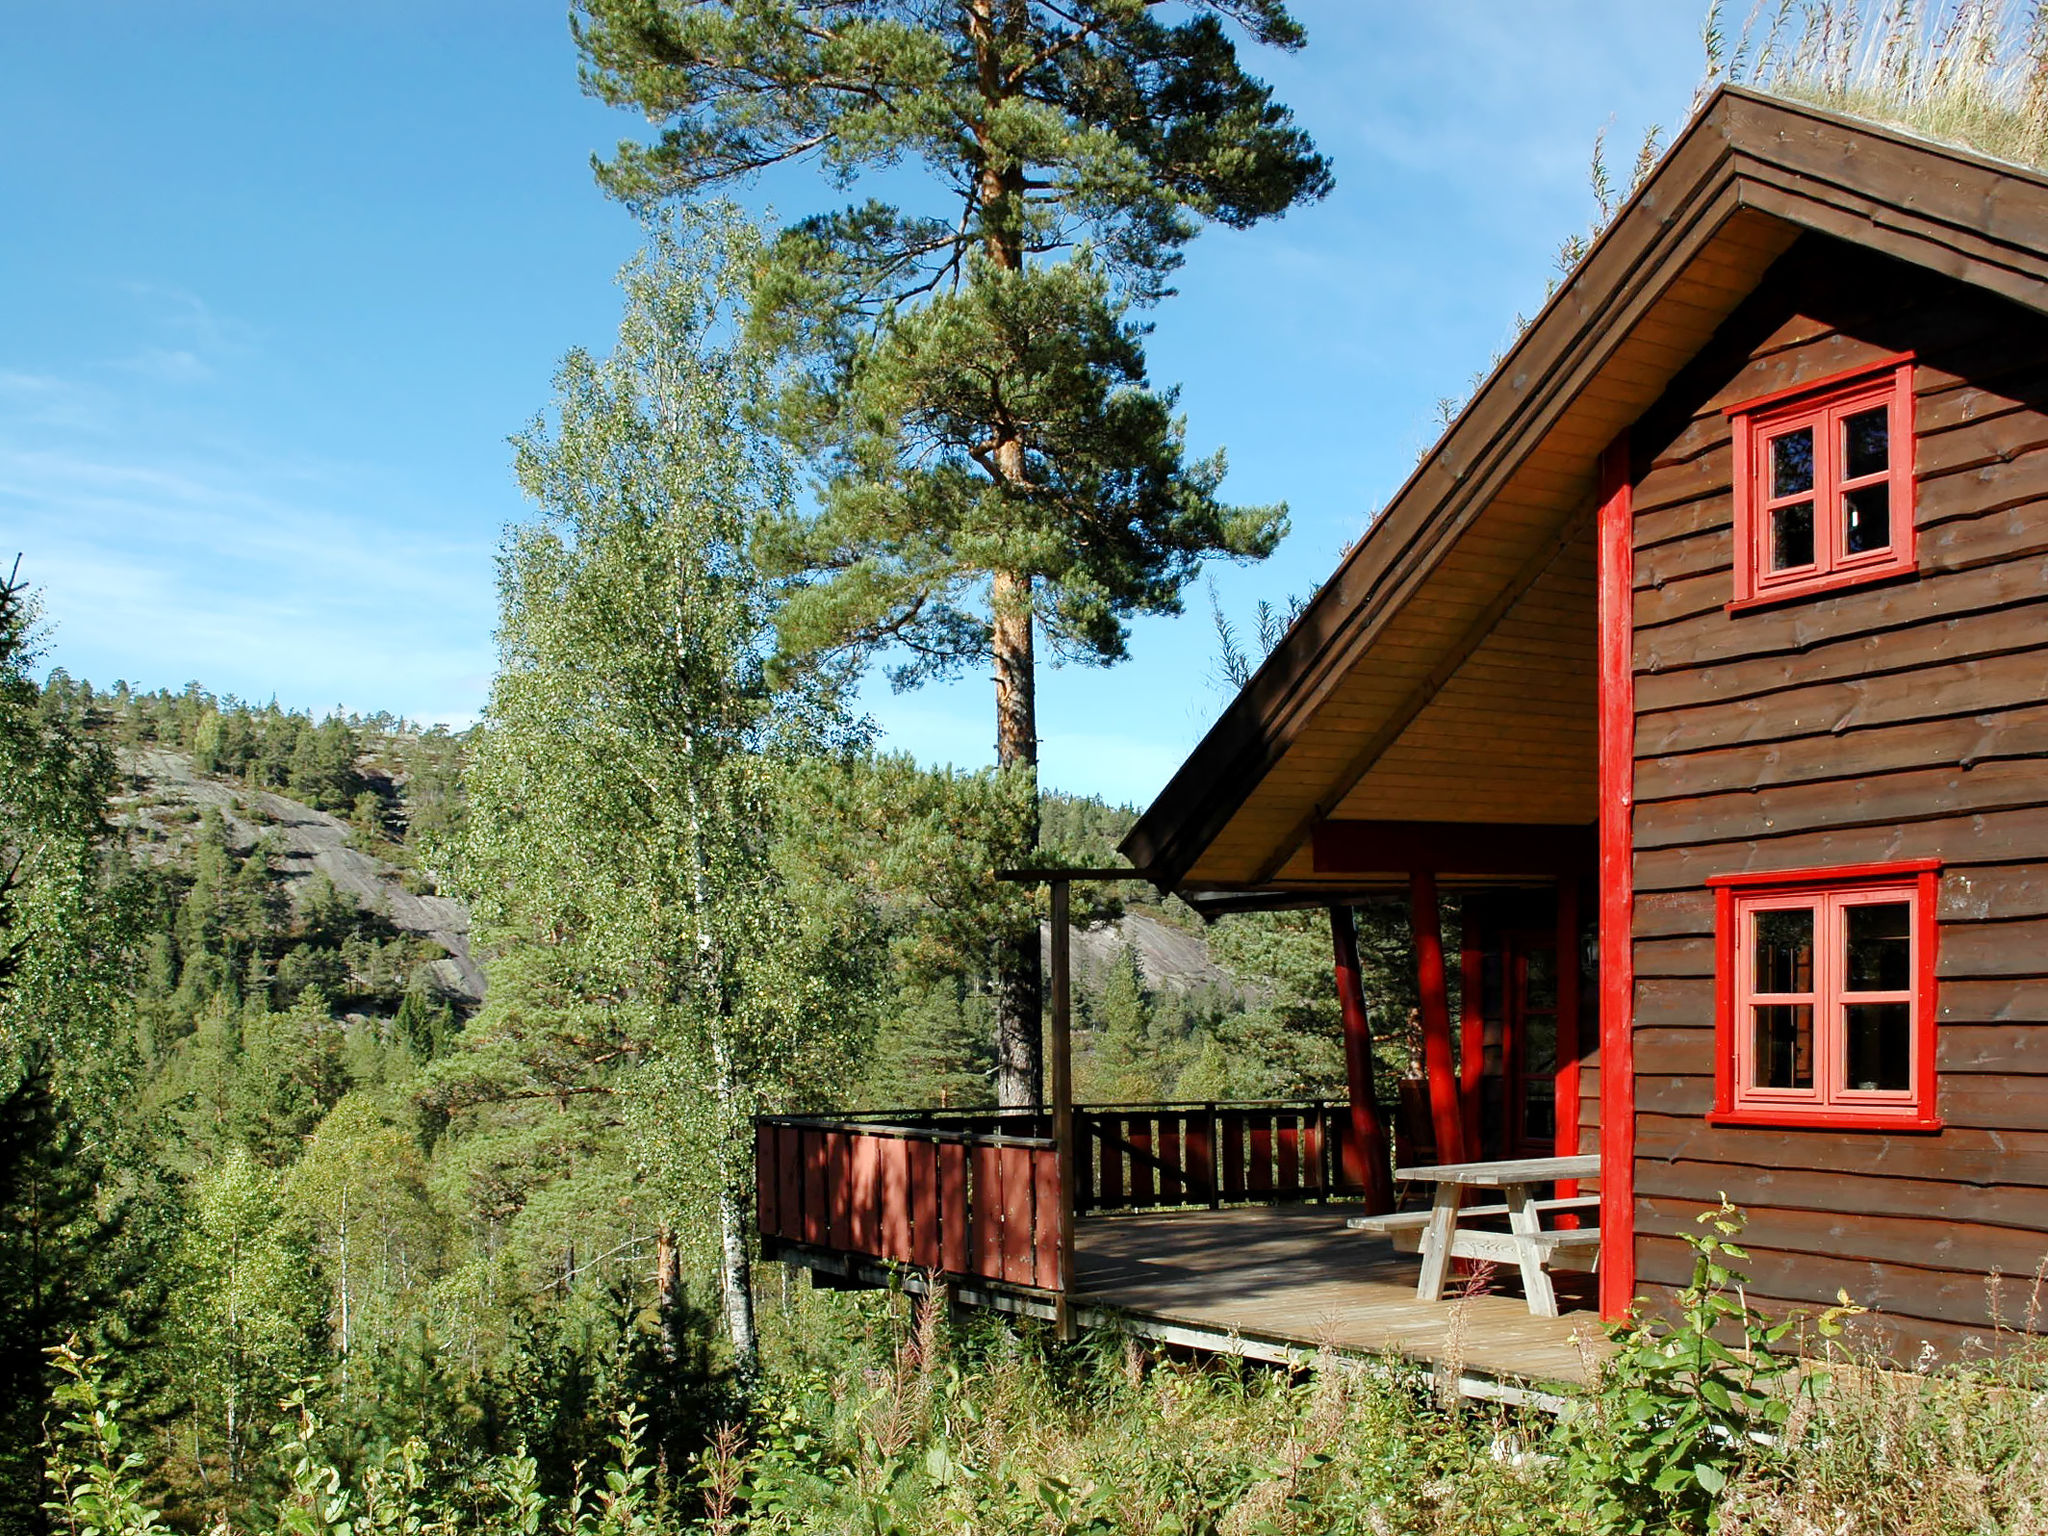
1063 1103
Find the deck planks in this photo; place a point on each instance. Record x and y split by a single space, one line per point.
1293 1274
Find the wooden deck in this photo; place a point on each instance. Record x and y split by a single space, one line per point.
1277 1281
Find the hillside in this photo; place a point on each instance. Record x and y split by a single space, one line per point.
168 795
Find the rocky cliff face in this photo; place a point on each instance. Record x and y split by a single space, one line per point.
171 787
1170 958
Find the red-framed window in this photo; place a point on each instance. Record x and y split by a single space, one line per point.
1824 484
1825 997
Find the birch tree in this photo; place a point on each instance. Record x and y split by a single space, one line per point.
624 816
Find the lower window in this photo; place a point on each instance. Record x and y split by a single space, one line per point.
1824 997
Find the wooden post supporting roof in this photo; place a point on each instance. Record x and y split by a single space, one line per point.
1366 1159
1063 1100
1434 992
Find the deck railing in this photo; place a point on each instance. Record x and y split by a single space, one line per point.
1133 1156
977 1196
975 1193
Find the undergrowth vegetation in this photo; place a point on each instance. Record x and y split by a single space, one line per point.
882 1415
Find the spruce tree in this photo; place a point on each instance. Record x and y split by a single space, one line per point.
997 463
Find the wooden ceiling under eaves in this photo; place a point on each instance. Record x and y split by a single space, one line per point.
1474 701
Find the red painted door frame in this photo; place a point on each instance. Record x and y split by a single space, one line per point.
1617 724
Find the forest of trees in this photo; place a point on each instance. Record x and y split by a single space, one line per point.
251 1146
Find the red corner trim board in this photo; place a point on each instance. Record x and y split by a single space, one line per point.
1617 885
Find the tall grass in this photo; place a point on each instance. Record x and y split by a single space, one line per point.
1968 72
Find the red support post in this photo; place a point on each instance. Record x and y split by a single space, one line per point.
1434 992
1471 1033
1367 1164
1617 719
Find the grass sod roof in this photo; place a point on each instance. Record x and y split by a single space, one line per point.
1748 175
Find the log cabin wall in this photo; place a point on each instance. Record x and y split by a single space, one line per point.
1895 721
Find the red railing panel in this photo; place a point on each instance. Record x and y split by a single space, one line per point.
767 1183
866 1177
1045 1176
1016 1199
985 1201
924 1203
1109 1138
1287 1143
1171 1189
789 1169
839 1176
1259 1181
817 1228
894 1195
1138 1137
1233 1157
953 1208
1201 1157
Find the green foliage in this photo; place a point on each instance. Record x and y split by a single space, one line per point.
1693 1399
985 407
95 1476
629 846
60 1260
245 1316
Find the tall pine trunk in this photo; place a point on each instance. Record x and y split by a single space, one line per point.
1019 983
1019 1069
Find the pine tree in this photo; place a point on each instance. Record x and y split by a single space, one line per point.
998 462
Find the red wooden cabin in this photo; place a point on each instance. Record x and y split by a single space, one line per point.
1702 661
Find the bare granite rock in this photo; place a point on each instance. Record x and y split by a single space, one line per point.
310 840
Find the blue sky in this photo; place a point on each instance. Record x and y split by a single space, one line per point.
279 282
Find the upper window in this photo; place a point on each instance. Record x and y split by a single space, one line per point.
1825 994
1824 484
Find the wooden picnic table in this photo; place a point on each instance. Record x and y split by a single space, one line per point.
1526 1244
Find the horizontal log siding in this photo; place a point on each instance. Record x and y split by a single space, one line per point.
1888 722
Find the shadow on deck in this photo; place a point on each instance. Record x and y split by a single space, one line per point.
1275 1281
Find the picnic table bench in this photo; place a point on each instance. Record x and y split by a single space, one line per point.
1527 1243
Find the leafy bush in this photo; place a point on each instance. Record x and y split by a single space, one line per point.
1691 1401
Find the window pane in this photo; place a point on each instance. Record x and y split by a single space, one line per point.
1880 947
1540 980
1792 536
1880 1047
1867 519
1539 1110
1792 463
1865 443
1784 1045
1784 950
1539 1046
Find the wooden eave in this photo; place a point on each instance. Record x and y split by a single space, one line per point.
1491 530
